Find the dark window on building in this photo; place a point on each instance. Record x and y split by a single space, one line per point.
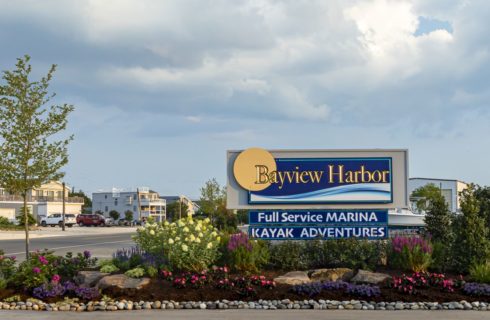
106 209
105 196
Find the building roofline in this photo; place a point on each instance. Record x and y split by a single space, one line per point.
453 180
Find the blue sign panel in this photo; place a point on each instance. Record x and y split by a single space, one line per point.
323 217
317 232
324 181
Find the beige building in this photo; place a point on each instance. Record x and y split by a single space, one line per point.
450 190
42 201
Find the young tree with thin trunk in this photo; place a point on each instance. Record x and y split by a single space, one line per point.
30 154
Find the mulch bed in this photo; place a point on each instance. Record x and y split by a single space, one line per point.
163 290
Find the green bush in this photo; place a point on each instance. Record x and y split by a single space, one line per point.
7 269
109 268
152 271
441 257
137 272
5 222
30 218
247 255
288 255
348 253
39 269
480 272
189 245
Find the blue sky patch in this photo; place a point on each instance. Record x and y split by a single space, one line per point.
427 25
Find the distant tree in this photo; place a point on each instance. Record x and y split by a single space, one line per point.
471 245
128 215
438 220
242 216
213 196
87 202
31 155
177 209
427 194
114 215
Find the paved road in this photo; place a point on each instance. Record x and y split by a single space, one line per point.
101 245
251 314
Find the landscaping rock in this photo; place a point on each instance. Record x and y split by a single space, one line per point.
293 278
89 278
122 281
369 277
344 274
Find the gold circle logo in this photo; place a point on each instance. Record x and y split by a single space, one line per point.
247 165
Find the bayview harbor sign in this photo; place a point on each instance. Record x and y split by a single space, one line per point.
325 194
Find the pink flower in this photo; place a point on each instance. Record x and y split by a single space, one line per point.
36 270
56 278
43 260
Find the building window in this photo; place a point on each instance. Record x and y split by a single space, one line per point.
105 196
115 202
134 208
106 209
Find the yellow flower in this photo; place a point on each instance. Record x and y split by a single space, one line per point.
198 228
177 238
170 241
192 237
206 220
166 223
185 229
218 238
214 234
152 232
210 245
180 223
185 248
191 222
198 240
200 235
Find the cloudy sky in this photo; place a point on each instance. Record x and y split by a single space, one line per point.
163 88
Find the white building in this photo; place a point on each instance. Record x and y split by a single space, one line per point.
143 203
450 190
43 201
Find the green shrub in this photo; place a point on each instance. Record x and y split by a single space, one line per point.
189 245
348 253
3 283
109 268
480 272
5 222
137 272
152 271
39 269
30 218
441 257
288 255
247 255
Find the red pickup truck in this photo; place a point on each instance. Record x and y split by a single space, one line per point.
89 219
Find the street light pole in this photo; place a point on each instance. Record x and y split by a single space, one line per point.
63 214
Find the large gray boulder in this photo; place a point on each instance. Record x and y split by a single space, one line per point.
364 276
293 278
89 278
344 274
122 281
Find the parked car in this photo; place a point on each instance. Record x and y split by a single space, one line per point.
89 219
56 219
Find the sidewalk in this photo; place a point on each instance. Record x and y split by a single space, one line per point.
47 232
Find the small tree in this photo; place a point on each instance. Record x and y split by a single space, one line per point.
213 197
483 196
114 215
87 202
438 221
128 215
176 210
471 245
30 156
30 218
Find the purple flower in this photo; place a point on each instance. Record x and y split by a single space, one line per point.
239 240
36 270
87 254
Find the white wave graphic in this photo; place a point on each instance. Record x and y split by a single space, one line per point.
353 192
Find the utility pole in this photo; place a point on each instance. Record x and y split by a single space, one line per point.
180 207
63 214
